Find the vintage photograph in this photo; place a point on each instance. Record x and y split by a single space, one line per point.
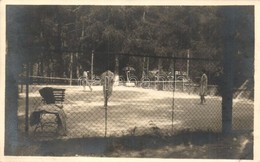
130 81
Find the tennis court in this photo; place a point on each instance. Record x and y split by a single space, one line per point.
137 111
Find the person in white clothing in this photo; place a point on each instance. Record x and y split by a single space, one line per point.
203 87
85 80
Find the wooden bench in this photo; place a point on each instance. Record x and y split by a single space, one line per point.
52 95
52 99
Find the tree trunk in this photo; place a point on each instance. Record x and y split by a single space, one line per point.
229 51
116 71
71 67
77 66
144 69
159 84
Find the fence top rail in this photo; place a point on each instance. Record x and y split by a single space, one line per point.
164 57
41 77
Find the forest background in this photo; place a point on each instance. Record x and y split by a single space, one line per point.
50 37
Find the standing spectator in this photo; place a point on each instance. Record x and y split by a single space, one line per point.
203 87
85 81
107 80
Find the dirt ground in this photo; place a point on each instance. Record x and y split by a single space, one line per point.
186 144
140 123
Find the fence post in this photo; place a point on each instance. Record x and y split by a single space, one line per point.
106 84
27 99
11 104
174 86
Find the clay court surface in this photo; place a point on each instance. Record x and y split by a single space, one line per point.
134 110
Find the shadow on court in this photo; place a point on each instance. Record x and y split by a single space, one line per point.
185 144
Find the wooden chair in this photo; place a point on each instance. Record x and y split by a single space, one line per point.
52 99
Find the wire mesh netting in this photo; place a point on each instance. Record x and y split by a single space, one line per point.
158 101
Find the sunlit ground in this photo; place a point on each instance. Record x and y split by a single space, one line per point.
134 110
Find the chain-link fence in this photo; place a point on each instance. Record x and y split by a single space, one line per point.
151 96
